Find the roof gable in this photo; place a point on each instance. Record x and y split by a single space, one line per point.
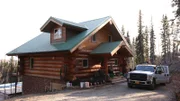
52 20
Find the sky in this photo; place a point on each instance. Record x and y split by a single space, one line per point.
20 20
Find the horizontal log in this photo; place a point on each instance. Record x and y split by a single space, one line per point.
79 56
47 65
87 71
48 62
113 65
89 68
111 62
45 58
116 71
83 75
45 69
83 55
42 72
115 68
44 76
95 66
44 66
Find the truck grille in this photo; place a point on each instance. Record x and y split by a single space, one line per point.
135 76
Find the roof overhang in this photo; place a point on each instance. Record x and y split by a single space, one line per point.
51 22
109 48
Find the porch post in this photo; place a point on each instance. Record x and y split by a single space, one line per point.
105 65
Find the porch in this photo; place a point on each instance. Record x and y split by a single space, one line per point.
106 61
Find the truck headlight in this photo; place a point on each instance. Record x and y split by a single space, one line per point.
128 75
149 77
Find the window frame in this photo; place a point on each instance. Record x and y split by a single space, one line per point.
116 61
31 63
85 59
60 35
93 38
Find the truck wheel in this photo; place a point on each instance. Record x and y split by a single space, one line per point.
129 85
152 86
164 84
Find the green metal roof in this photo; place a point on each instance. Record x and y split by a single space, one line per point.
106 48
70 23
42 43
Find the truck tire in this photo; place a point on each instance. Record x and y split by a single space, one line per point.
129 85
152 86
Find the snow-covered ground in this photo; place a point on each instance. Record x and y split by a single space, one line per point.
9 88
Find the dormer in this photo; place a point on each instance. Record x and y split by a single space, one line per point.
61 30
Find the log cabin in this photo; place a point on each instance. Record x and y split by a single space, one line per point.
79 48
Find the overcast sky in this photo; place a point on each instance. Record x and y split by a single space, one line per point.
20 20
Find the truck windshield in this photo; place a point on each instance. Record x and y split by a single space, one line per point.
145 68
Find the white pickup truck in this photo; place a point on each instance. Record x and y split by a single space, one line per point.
148 75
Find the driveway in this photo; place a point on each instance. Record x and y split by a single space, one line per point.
116 92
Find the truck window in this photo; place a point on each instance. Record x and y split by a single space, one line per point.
160 69
145 68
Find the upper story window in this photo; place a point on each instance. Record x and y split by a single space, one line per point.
93 39
57 33
110 38
31 62
85 63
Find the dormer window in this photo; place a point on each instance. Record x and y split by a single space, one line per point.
57 33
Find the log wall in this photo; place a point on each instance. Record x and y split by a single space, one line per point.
48 67
101 37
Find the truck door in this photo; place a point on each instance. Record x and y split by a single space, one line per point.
160 75
166 71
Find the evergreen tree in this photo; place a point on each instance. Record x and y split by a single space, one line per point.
174 50
152 44
140 41
146 44
137 58
134 51
176 3
123 30
165 38
128 39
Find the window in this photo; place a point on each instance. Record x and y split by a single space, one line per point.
31 61
85 63
93 39
110 38
57 33
116 62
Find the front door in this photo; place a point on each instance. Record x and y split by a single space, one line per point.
160 75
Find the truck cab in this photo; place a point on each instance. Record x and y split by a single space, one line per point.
148 75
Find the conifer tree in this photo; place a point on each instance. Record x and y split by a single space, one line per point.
140 40
165 38
128 38
123 30
146 44
152 44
